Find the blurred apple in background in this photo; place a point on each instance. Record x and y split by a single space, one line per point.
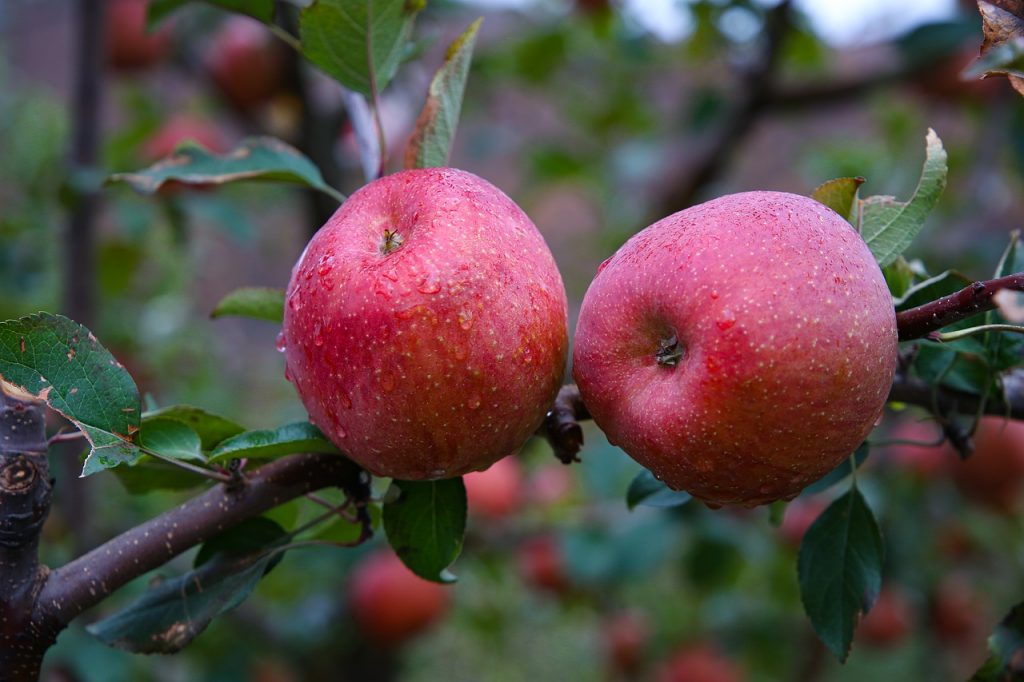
888 622
541 564
129 44
699 663
246 62
181 128
993 474
389 603
800 514
625 637
550 484
497 492
929 458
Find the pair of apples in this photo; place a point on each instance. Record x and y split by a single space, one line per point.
739 349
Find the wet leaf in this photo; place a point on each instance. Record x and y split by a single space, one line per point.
263 159
170 438
284 440
425 522
212 428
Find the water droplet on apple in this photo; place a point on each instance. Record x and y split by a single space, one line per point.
387 381
429 285
391 274
318 339
604 264
473 402
340 432
714 294
438 473
326 264
465 319
460 352
282 342
287 373
726 320
293 301
346 402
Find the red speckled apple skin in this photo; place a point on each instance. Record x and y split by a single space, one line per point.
789 338
426 325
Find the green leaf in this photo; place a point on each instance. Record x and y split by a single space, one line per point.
284 440
49 357
1006 650
342 530
425 524
172 613
840 195
889 226
248 537
1004 59
840 570
841 471
359 43
170 438
899 277
435 128
648 491
952 368
930 289
257 158
212 428
148 474
259 303
261 10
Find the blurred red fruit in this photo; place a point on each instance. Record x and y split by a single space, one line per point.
927 461
625 637
390 604
540 564
958 613
550 485
496 492
888 622
993 474
246 63
699 663
942 80
182 128
798 517
129 45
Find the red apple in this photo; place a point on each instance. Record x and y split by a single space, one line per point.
184 128
425 329
497 492
959 613
740 349
541 565
699 663
390 604
246 62
887 624
927 461
129 44
625 638
550 484
799 516
993 474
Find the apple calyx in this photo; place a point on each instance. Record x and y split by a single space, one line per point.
392 240
669 352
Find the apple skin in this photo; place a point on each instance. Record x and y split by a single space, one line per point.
699 663
887 624
436 351
390 604
993 474
497 492
245 62
129 45
789 346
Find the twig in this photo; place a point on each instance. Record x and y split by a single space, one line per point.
977 298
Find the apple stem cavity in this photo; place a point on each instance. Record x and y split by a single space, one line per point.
392 240
669 352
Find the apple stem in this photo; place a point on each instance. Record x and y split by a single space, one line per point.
669 352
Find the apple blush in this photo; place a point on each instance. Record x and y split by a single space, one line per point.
740 349
425 328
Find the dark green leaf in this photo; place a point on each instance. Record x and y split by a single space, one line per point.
1006 650
648 491
259 303
899 277
713 562
435 129
889 226
284 440
932 288
248 537
425 524
212 428
840 195
262 10
359 43
173 612
944 364
342 530
258 158
148 474
840 570
841 471
52 358
170 438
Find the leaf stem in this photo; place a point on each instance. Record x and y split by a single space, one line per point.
202 471
946 337
286 37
